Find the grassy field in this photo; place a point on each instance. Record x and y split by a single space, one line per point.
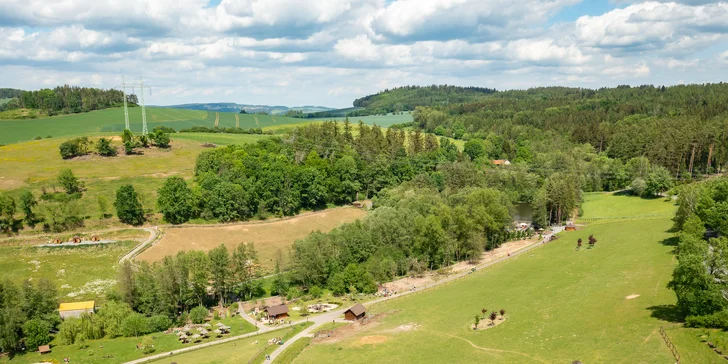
381 120
112 121
119 350
219 138
610 207
239 351
594 305
269 237
80 272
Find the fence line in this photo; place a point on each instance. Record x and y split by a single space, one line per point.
670 345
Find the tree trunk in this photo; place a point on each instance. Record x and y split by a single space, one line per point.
692 159
710 155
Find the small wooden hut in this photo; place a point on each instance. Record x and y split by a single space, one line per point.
277 312
355 313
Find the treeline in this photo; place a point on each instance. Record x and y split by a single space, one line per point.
10 93
412 230
699 279
28 314
191 279
204 129
407 98
682 128
70 99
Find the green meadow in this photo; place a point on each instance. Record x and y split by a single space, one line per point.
600 305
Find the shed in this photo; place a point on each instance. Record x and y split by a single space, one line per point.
501 162
76 239
356 312
44 349
277 312
570 227
76 309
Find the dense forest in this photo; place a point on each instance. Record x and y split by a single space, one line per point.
682 128
10 93
68 99
407 98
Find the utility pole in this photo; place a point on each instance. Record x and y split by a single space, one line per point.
126 108
145 131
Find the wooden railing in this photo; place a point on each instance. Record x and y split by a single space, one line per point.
670 345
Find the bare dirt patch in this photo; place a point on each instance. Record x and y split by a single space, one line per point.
408 283
487 323
269 237
10 184
373 339
632 296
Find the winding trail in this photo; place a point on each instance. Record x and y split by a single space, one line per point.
153 234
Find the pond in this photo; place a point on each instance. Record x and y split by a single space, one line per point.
523 212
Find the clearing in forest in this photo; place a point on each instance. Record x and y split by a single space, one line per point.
269 237
562 305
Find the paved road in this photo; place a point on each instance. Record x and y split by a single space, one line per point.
153 233
333 315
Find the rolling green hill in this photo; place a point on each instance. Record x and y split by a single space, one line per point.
112 121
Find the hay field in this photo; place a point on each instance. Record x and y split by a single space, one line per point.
269 237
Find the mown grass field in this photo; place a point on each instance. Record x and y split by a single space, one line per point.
384 121
240 351
122 349
219 138
610 207
562 305
79 272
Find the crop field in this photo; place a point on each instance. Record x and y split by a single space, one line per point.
384 121
595 305
112 121
269 237
122 349
79 272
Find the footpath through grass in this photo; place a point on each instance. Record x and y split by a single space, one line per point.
595 305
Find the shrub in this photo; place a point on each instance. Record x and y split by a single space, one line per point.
316 292
159 323
147 345
38 138
135 325
163 129
74 147
104 148
198 315
234 307
36 333
69 181
718 320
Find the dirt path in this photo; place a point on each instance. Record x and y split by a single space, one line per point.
491 349
153 233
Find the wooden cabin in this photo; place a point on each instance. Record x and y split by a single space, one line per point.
355 313
76 309
277 312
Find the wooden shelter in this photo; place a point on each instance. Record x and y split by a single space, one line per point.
570 227
57 241
44 349
355 313
277 312
76 309
76 239
95 238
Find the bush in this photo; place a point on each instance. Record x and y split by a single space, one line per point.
135 325
69 181
163 129
104 148
38 138
718 320
36 333
147 345
74 147
234 307
159 323
198 315
316 292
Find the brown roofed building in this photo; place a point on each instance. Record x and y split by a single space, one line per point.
277 312
356 312
501 162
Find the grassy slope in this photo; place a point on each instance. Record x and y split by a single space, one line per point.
562 304
123 349
235 352
381 120
219 138
610 206
75 270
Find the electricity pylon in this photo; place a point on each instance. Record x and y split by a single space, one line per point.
141 87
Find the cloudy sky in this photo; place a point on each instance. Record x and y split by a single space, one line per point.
328 52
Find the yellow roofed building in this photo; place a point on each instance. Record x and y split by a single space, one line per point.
76 309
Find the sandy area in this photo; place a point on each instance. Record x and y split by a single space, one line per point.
407 283
269 237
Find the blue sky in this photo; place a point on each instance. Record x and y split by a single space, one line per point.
303 52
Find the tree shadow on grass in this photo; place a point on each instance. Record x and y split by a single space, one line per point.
670 241
667 313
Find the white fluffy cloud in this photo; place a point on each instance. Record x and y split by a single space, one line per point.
329 52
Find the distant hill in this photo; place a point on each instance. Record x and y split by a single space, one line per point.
408 97
251 109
